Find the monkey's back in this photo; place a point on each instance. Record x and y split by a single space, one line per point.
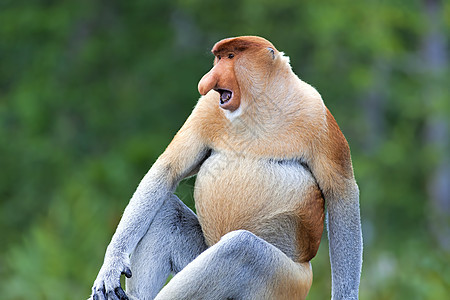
278 200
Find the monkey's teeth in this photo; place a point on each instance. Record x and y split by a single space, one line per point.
225 96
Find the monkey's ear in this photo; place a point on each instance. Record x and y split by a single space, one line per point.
271 52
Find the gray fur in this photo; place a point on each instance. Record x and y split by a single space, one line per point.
239 266
346 245
168 238
173 240
155 188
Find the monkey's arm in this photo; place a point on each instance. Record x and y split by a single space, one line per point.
333 170
181 158
345 242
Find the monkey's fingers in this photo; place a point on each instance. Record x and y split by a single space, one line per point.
120 293
99 294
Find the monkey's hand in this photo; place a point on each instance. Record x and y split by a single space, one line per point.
107 285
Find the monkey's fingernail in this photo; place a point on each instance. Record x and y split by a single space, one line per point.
127 272
120 293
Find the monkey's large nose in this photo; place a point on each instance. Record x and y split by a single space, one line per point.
207 83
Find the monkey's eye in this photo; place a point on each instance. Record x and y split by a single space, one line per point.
230 56
219 57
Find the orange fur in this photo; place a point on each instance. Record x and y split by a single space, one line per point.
292 282
254 178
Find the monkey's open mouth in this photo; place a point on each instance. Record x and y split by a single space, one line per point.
225 95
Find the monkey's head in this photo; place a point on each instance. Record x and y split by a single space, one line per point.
239 62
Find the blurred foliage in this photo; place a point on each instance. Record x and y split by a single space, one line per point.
91 92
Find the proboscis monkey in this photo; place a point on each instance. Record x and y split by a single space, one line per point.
267 153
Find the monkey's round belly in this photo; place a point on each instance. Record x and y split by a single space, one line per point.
278 201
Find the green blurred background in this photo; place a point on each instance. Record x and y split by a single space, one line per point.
91 92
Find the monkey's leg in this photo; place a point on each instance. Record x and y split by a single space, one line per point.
240 266
173 240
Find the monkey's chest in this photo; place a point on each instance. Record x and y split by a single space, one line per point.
260 195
